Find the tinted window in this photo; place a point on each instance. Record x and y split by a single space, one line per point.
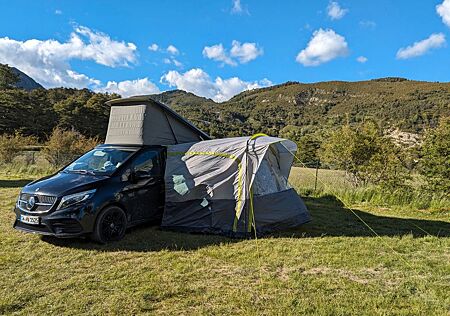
100 161
147 163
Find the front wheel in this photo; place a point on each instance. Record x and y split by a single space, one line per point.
110 226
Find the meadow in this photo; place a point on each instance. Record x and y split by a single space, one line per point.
334 265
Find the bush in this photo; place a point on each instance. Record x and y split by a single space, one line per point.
12 145
64 146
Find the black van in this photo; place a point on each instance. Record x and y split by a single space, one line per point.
101 194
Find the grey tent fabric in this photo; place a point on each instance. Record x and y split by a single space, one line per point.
143 121
220 186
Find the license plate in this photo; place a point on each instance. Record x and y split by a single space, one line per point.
33 220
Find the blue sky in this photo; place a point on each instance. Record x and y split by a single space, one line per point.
219 48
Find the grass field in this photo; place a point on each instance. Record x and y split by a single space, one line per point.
331 266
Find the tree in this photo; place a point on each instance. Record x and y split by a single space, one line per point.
12 145
365 154
435 160
64 146
7 77
308 150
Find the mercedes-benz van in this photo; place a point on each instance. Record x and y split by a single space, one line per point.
101 194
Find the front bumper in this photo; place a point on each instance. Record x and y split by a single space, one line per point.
71 222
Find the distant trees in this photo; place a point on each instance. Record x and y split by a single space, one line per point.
39 111
7 77
12 145
435 160
365 154
369 157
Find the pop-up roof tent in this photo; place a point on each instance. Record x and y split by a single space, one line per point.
224 186
141 120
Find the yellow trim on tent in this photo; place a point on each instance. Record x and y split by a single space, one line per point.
255 136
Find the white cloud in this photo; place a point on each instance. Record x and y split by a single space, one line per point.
172 50
130 87
154 47
361 59
325 45
58 12
245 52
443 10
200 83
47 61
242 53
368 24
218 53
177 63
335 12
419 48
172 60
237 7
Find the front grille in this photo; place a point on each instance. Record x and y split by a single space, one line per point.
43 229
43 203
66 226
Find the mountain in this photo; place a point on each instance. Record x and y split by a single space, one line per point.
292 109
396 103
25 82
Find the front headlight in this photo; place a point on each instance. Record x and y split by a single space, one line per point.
76 198
18 199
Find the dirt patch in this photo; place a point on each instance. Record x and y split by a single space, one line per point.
364 276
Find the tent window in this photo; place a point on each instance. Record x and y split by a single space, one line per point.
268 179
179 184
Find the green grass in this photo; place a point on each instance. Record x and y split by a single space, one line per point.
334 182
331 266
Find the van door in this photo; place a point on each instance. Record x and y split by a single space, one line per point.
144 191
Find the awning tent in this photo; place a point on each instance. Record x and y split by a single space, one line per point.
229 186
141 120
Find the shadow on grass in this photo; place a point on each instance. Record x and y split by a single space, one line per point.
14 183
146 238
330 218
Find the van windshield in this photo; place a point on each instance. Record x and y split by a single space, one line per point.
101 161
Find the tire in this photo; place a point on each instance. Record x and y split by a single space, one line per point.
110 225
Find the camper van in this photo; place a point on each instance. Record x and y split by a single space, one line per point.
114 186
102 192
157 166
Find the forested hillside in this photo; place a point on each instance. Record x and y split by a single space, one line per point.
306 108
291 109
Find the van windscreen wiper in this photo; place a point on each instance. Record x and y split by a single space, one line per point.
82 171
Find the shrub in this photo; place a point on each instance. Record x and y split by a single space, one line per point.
12 145
64 146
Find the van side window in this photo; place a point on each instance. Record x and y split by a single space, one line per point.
147 163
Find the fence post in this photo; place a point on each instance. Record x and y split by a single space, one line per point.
317 173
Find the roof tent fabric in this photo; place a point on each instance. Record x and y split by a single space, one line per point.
221 186
143 121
